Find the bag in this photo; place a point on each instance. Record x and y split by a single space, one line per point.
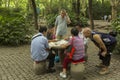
107 38
70 50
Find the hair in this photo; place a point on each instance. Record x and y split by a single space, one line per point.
113 33
74 31
63 10
43 29
80 25
51 26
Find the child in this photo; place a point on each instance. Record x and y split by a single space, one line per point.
51 38
50 34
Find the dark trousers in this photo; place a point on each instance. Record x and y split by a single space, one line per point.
51 58
106 59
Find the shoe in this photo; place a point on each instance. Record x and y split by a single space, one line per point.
100 65
104 71
51 70
63 75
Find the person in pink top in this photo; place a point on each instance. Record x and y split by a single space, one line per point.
79 52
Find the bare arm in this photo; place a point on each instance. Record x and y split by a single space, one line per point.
98 39
68 19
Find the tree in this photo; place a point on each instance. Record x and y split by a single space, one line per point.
114 4
78 9
90 14
34 13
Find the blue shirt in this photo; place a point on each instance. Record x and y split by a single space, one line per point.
39 45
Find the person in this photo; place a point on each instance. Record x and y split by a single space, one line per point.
52 38
104 50
50 34
109 18
40 50
78 55
105 17
61 24
80 26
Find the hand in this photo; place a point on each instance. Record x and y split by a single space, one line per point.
63 45
54 40
103 54
66 38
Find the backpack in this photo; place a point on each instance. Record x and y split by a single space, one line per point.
108 39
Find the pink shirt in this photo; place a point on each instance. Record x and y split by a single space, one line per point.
78 43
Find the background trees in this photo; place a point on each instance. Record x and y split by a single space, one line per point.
24 14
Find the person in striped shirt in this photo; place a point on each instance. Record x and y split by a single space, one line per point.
79 52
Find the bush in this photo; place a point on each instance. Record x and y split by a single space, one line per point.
116 27
74 19
52 17
14 29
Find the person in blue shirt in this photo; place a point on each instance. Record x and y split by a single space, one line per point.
40 49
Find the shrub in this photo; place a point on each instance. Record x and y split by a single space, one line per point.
116 27
14 29
51 19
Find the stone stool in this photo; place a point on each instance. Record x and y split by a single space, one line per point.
77 70
39 68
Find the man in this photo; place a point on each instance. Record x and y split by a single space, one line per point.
61 24
40 50
104 53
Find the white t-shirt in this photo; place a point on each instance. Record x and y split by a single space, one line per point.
82 36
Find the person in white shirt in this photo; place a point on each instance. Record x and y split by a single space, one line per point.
80 26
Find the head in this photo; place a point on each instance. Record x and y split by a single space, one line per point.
74 32
51 28
87 32
63 13
43 30
79 26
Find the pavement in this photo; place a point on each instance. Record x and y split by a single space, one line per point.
16 64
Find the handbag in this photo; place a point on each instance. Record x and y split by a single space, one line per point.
70 50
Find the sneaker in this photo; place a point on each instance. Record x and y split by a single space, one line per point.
104 71
51 70
63 75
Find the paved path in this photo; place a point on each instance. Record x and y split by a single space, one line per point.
16 64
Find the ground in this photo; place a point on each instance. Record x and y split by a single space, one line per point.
16 64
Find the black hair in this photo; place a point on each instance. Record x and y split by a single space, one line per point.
113 33
50 26
43 29
80 25
74 31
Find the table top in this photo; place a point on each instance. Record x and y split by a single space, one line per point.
57 45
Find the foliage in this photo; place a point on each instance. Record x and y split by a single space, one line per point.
74 20
14 29
51 19
101 9
116 27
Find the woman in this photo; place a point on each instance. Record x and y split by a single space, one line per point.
79 52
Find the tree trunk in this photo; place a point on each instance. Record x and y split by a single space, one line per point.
74 6
78 9
8 3
114 4
34 13
114 12
90 14
102 8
